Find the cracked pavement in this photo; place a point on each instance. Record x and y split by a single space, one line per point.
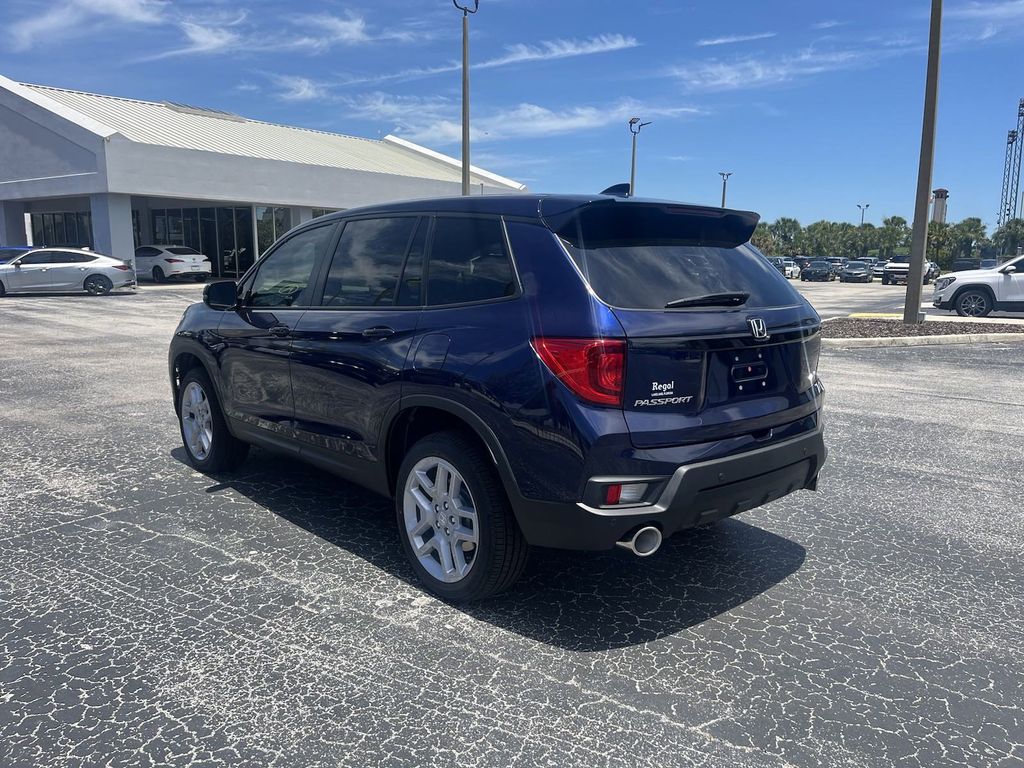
154 616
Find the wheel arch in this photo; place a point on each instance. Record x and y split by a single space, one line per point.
420 416
184 360
982 287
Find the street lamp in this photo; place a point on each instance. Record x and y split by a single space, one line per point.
634 128
466 10
725 183
863 210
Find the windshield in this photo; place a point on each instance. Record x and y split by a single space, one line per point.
819 264
856 265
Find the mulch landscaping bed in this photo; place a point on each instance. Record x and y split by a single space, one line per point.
853 328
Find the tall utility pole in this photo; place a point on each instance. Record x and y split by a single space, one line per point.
634 127
863 210
919 244
466 10
725 183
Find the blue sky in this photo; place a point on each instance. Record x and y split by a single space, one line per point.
815 106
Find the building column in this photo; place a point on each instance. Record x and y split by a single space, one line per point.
301 216
12 223
112 226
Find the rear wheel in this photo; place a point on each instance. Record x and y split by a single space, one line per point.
200 278
158 275
3 291
456 524
209 445
98 285
974 304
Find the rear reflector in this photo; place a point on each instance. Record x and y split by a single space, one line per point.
612 494
592 368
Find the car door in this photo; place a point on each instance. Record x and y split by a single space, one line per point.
257 336
68 270
30 273
349 352
1011 284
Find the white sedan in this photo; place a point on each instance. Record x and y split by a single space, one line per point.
161 262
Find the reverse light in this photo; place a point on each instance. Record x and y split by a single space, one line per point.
592 368
624 493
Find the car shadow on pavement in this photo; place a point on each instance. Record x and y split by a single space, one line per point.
579 601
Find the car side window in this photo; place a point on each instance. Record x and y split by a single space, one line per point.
36 258
468 262
410 292
285 277
146 252
368 261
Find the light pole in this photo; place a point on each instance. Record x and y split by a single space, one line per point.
725 183
634 128
863 210
466 10
919 244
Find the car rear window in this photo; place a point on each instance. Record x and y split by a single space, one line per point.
178 250
643 257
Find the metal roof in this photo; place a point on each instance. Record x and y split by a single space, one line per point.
175 125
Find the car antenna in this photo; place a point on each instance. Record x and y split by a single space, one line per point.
618 190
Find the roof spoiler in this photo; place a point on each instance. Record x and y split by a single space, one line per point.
611 223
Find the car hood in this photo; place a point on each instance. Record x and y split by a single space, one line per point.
975 273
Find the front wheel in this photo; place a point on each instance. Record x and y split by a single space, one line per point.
973 304
456 524
209 445
98 285
158 275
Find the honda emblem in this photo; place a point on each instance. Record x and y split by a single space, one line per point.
758 327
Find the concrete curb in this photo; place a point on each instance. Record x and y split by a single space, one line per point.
923 341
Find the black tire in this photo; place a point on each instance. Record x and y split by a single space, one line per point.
974 303
158 275
200 278
885 280
501 552
98 285
226 452
3 291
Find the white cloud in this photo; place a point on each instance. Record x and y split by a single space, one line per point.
205 36
295 88
828 24
74 18
435 121
750 72
730 39
1006 10
519 53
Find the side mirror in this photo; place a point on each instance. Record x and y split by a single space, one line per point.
221 295
17 265
1009 270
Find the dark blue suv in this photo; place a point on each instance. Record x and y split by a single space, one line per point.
572 372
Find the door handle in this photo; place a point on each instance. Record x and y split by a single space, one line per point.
378 332
280 331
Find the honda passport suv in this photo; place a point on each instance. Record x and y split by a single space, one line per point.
571 372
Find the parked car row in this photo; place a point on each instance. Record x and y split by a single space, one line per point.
786 266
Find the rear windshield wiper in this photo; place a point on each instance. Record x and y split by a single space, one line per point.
711 300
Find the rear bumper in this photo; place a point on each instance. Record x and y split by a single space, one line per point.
693 495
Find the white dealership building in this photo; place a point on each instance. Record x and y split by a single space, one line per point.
109 173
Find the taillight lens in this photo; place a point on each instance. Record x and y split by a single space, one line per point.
122 267
592 368
175 261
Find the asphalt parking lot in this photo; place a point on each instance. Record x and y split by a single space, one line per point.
150 615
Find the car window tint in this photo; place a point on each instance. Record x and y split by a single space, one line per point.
410 292
182 251
36 258
284 278
366 265
468 262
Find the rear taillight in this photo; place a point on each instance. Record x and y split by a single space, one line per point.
122 267
592 368
175 261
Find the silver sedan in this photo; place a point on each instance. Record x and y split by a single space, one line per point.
62 270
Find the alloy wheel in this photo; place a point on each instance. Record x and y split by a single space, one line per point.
974 305
197 421
440 519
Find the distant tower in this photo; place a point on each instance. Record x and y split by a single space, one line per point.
939 209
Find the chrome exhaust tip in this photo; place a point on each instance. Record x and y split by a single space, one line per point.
643 543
